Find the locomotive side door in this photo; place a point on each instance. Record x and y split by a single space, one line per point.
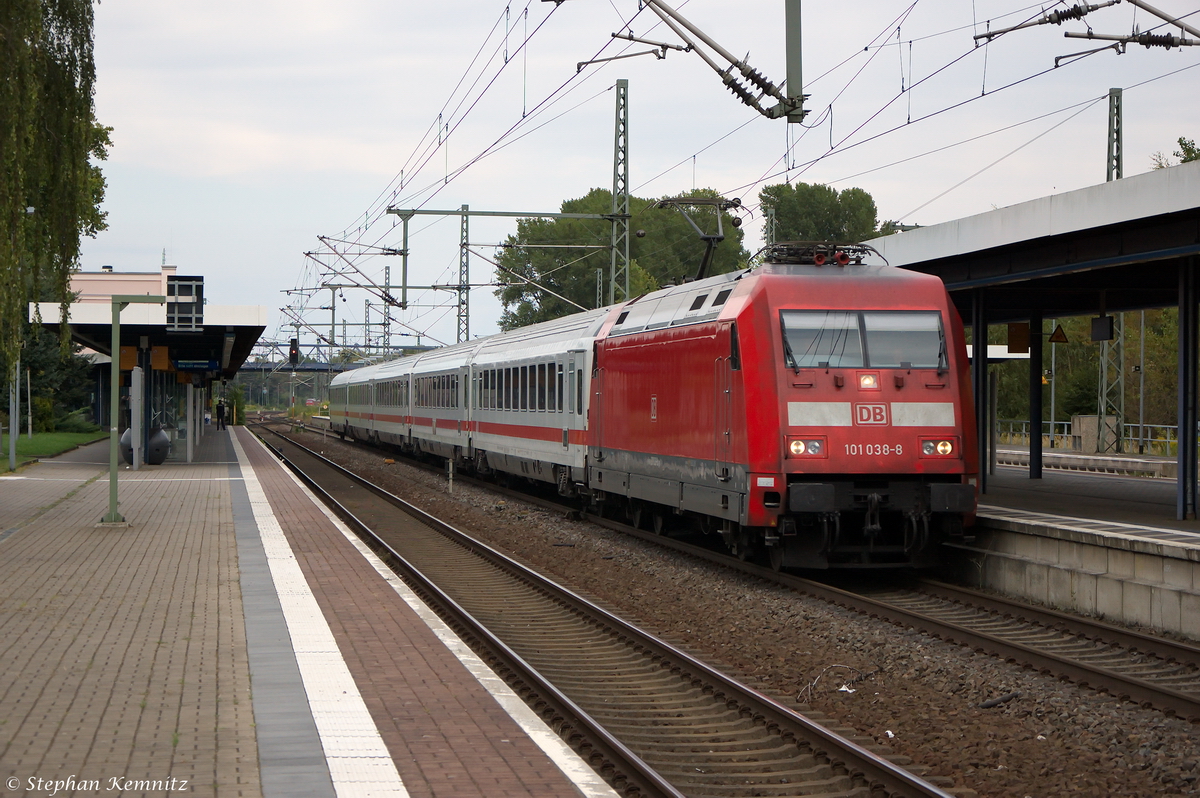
723 415
594 411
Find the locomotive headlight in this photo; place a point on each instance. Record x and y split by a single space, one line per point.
868 382
936 448
810 447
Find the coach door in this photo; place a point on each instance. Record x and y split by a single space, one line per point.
373 407
463 411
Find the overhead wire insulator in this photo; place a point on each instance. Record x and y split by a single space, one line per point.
1074 12
1164 40
742 93
759 80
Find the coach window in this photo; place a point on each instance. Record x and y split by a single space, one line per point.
541 386
523 395
579 392
553 399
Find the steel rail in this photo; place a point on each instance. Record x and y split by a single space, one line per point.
875 771
623 765
1141 691
1084 627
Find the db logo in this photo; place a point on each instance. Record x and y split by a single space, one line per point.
871 414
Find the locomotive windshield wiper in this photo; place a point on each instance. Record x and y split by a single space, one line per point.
943 361
788 353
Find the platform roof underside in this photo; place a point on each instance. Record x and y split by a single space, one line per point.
1116 246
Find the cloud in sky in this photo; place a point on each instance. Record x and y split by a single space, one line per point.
244 131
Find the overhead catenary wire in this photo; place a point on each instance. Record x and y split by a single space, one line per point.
843 144
1002 158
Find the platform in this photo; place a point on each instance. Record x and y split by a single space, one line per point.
235 639
1089 541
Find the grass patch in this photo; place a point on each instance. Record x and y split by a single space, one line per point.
48 444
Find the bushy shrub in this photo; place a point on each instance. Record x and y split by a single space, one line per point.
43 414
76 422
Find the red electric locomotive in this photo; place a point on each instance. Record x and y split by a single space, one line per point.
815 409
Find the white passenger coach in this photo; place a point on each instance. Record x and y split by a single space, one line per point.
514 402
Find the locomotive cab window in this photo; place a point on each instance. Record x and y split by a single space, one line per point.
876 339
905 339
824 338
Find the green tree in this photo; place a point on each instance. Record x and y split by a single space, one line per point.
1077 370
815 212
50 190
237 402
60 383
1188 151
564 255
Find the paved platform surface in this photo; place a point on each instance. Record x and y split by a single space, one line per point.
1124 499
235 640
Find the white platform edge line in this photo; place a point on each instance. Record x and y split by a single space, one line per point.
334 699
1067 522
561 754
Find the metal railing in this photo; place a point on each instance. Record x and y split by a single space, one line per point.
1154 439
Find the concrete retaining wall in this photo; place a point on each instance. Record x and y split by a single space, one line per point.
1123 579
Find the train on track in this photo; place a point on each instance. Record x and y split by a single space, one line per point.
814 411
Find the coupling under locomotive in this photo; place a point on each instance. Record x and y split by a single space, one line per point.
814 410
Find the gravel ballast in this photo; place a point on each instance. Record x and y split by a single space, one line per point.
909 691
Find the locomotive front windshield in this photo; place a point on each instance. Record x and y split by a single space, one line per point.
851 339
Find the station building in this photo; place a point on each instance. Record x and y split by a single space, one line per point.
181 344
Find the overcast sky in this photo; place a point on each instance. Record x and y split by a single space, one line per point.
243 131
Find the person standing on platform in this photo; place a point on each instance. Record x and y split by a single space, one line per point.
220 414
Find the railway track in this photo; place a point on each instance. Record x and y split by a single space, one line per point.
651 718
1148 670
